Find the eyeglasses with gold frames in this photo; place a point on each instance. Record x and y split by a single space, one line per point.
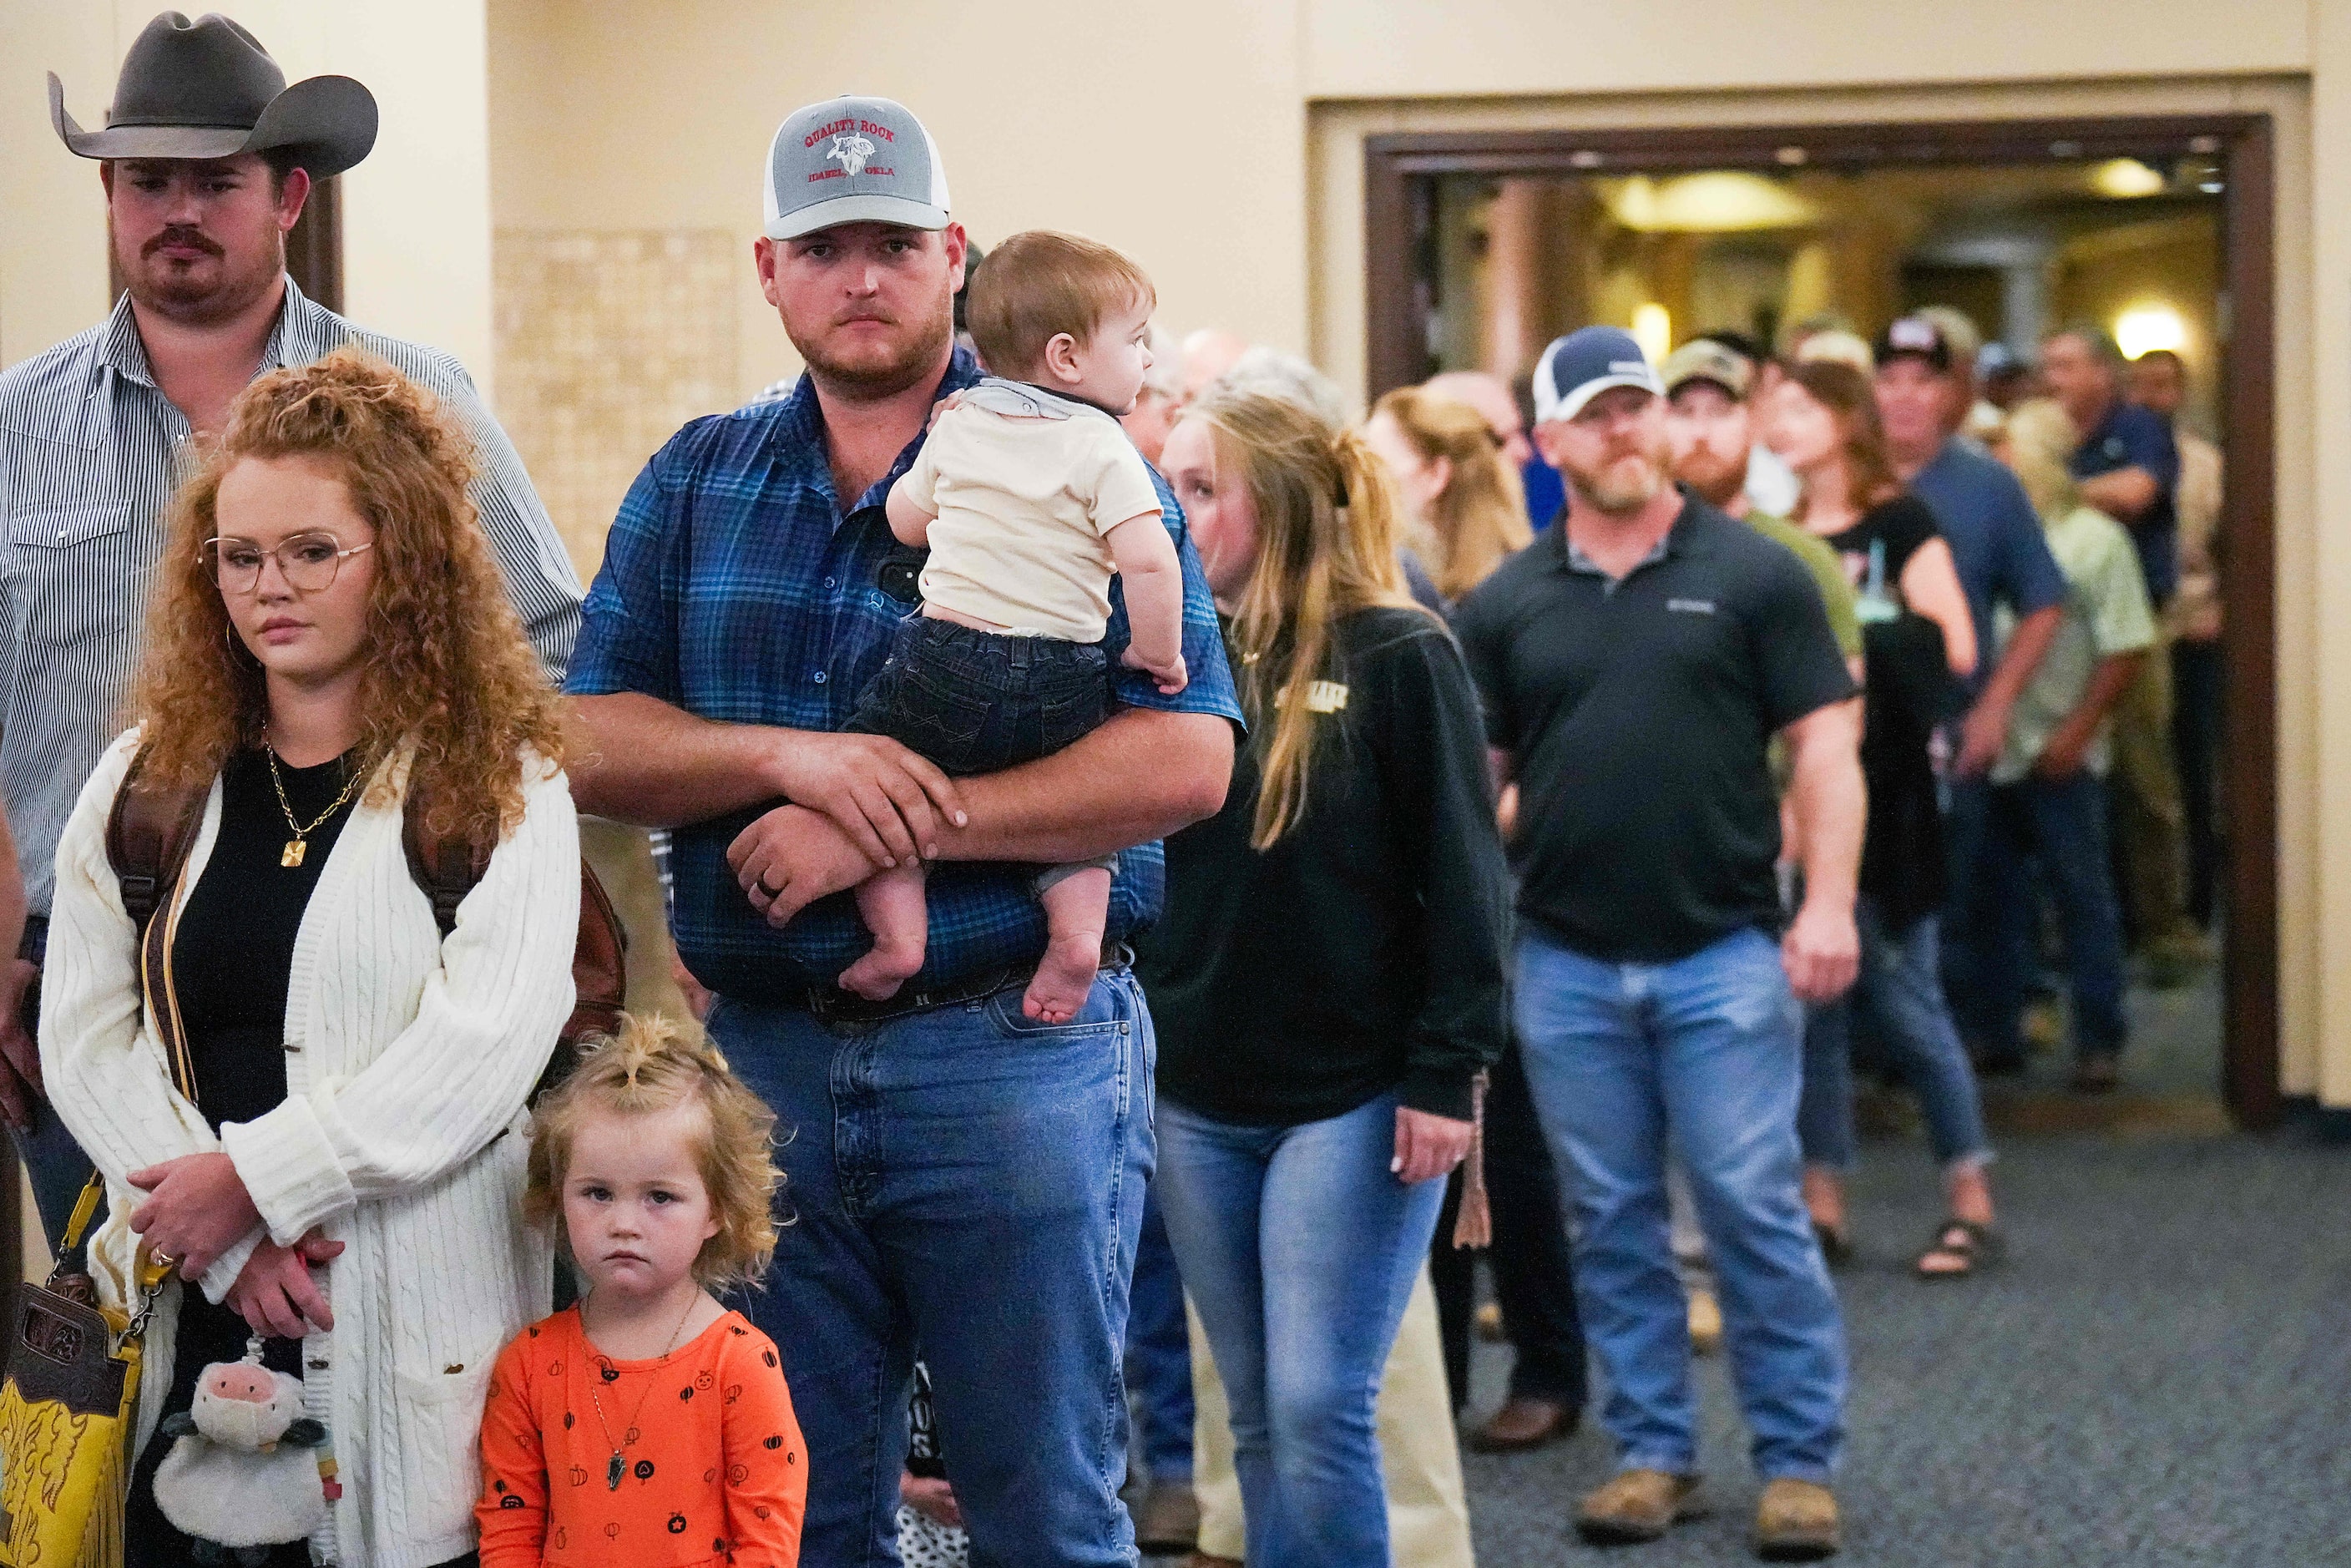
308 562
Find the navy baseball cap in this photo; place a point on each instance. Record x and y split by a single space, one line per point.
1916 338
1586 362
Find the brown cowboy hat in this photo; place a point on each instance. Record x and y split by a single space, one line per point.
207 88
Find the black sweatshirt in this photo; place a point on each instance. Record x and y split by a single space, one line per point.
1363 952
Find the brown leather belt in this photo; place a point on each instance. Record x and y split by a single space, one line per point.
831 1005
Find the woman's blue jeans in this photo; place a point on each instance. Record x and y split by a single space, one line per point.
1901 988
1299 1248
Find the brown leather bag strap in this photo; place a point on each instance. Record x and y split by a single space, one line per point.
445 869
149 832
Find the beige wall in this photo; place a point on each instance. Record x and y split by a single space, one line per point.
415 215
1221 143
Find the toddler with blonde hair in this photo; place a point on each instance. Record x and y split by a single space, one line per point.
649 1418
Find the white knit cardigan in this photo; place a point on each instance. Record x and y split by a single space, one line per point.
403 1133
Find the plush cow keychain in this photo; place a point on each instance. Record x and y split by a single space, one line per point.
242 1476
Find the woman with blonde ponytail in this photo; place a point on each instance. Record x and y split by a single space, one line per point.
1327 977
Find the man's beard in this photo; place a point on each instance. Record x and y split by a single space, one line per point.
227 290
1715 483
1623 484
916 357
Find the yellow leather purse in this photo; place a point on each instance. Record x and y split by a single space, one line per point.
69 1390
68 1408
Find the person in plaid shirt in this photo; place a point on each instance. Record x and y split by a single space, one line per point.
960 1176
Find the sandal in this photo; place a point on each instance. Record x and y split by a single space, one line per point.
1973 1245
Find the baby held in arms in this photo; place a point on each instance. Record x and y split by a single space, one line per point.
1030 497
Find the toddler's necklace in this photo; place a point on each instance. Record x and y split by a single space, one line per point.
616 1465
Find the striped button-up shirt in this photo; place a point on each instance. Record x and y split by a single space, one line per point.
91 451
734 587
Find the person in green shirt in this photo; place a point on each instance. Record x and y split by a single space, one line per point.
2048 786
1706 415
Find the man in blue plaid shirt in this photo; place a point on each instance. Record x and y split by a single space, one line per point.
962 1178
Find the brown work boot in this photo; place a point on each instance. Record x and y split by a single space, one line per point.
1636 1506
1168 1518
1796 1522
1522 1424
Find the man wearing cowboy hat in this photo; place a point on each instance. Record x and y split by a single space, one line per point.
207 156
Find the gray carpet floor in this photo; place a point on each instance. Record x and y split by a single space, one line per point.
2156 1376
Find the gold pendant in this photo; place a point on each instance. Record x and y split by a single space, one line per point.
293 855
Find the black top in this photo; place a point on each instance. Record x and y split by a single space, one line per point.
1363 951
231 964
1639 712
233 955
1910 691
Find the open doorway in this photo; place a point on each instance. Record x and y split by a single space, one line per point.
1483 246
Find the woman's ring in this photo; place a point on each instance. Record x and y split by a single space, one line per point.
165 1261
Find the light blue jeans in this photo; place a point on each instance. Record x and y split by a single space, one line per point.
1299 1248
1901 991
972 1182
1705 1048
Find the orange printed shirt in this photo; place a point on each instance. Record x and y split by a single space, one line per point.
712 1470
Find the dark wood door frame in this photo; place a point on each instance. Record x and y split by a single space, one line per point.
1397 208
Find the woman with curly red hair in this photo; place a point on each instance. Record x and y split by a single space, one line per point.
300 1090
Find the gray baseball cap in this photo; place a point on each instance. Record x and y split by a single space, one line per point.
852 160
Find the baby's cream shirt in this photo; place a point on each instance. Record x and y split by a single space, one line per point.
1023 503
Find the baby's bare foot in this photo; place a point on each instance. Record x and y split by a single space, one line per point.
1065 979
877 976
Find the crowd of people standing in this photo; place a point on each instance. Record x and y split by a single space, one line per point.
1139 837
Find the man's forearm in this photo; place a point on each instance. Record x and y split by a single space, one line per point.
2122 494
636 758
2106 685
1140 777
2028 644
1831 804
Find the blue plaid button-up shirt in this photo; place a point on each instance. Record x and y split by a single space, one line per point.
733 588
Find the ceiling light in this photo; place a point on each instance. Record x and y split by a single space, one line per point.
2143 329
2126 177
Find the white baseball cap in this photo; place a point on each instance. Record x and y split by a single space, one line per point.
852 160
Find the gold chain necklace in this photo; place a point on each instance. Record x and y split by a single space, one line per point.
296 846
610 1373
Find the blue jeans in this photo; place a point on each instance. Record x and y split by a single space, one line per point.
1299 1248
1706 1048
970 1181
1159 1353
1901 988
2062 825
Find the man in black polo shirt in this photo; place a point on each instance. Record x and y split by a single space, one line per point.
1635 663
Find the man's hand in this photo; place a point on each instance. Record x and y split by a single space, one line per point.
931 1497
20 1057
1822 952
793 856
1172 676
196 1210
1981 736
1427 1145
886 798
274 1292
2061 757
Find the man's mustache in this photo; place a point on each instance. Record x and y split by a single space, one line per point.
180 234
